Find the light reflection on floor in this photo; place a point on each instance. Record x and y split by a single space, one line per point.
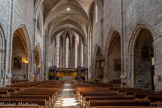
67 98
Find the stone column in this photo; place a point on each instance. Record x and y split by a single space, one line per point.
9 41
70 57
79 53
45 54
73 53
55 52
85 56
61 53
3 58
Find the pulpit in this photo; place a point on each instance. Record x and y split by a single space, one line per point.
99 67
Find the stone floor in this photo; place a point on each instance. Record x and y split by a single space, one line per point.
67 98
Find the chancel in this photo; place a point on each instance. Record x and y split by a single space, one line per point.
80 53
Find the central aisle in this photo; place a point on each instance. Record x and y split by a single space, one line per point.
67 98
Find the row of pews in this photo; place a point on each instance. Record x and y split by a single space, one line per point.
111 95
16 81
40 94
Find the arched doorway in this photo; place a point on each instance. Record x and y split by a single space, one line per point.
144 60
20 56
114 58
37 73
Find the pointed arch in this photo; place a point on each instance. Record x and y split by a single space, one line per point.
21 53
26 37
112 34
131 50
136 32
112 53
113 56
97 52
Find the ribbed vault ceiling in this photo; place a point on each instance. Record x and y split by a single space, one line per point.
58 21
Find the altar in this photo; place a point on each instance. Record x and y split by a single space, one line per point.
67 73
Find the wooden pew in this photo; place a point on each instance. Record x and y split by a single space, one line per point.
156 100
43 93
37 97
8 89
119 89
98 93
19 106
128 92
53 92
94 103
49 93
16 81
93 93
127 107
86 99
24 101
145 94
91 90
4 92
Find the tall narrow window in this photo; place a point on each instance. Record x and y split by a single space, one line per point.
96 13
67 52
58 51
76 52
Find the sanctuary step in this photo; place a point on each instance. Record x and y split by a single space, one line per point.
67 78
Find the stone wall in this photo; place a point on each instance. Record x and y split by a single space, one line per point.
16 14
114 59
143 14
5 20
23 17
128 17
5 7
111 18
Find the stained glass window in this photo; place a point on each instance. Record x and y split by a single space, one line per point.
58 51
67 52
